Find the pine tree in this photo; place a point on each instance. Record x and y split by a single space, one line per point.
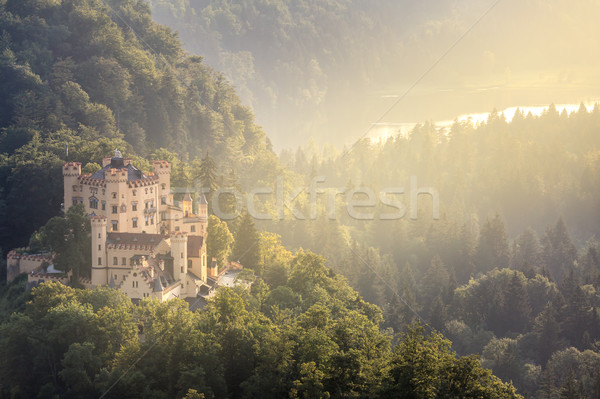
547 331
246 248
492 250
207 173
526 251
516 304
559 252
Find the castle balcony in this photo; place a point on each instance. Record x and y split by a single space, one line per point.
149 210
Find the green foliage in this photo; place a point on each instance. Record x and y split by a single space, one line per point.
76 74
247 248
219 240
68 237
425 367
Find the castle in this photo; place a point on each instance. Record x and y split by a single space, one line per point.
142 241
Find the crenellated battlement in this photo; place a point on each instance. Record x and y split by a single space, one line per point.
72 169
116 175
162 167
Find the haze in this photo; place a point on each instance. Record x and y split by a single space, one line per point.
329 70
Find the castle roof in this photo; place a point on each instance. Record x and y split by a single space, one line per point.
187 197
140 240
202 200
133 173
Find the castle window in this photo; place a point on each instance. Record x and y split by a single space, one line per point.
99 261
134 222
115 209
134 206
115 261
150 190
146 204
163 186
74 188
163 215
146 220
114 195
151 203
193 228
115 276
99 236
93 202
163 200
99 247
134 192
151 219
146 190
115 225
176 228
181 269
74 201
103 205
182 255
103 191
124 261
123 208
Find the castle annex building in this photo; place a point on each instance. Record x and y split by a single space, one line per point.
142 241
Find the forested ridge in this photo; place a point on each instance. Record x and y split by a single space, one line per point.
101 76
511 268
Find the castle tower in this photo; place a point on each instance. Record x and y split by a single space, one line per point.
186 204
203 212
99 260
179 254
71 172
116 194
162 169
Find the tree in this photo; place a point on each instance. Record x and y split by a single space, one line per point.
492 250
207 173
547 331
559 252
423 366
516 304
218 241
527 251
247 248
68 237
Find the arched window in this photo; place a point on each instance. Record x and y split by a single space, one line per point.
93 202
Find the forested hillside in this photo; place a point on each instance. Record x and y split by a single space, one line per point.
308 335
95 78
510 270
